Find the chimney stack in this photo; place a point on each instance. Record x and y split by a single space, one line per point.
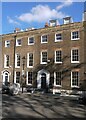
84 13
46 24
17 30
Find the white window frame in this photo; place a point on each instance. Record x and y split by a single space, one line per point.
33 40
17 41
41 57
55 81
55 56
5 61
78 55
28 60
15 76
16 60
8 43
59 39
78 35
27 78
75 86
42 39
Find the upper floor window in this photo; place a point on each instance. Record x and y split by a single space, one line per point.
58 78
75 35
74 56
74 78
29 77
7 61
44 39
30 40
18 42
44 57
30 60
58 56
17 60
7 43
58 37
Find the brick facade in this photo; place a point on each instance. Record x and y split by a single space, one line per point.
65 45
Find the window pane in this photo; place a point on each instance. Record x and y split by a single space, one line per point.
75 78
18 60
30 77
31 40
44 38
18 42
44 56
58 78
7 60
17 77
58 56
75 35
58 36
30 59
7 43
75 55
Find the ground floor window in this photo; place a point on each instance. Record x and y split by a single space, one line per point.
29 77
57 78
44 78
17 77
74 78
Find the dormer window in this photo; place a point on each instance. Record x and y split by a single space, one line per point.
67 20
53 23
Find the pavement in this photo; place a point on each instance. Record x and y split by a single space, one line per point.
26 106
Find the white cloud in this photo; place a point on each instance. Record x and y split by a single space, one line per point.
10 20
41 13
64 4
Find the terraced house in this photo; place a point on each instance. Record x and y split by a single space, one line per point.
53 56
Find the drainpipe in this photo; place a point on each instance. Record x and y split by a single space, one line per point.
14 58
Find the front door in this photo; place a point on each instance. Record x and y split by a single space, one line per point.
5 77
43 81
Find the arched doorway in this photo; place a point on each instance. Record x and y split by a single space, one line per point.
43 79
5 77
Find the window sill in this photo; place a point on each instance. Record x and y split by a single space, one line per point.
18 45
75 62
17 67
57 86
43 63
75 39
43 42
58 40
31 44
6 67
29 66
58 62
29 84
74 86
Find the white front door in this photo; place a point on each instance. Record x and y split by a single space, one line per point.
5 77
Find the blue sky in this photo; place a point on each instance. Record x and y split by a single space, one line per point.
34 14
